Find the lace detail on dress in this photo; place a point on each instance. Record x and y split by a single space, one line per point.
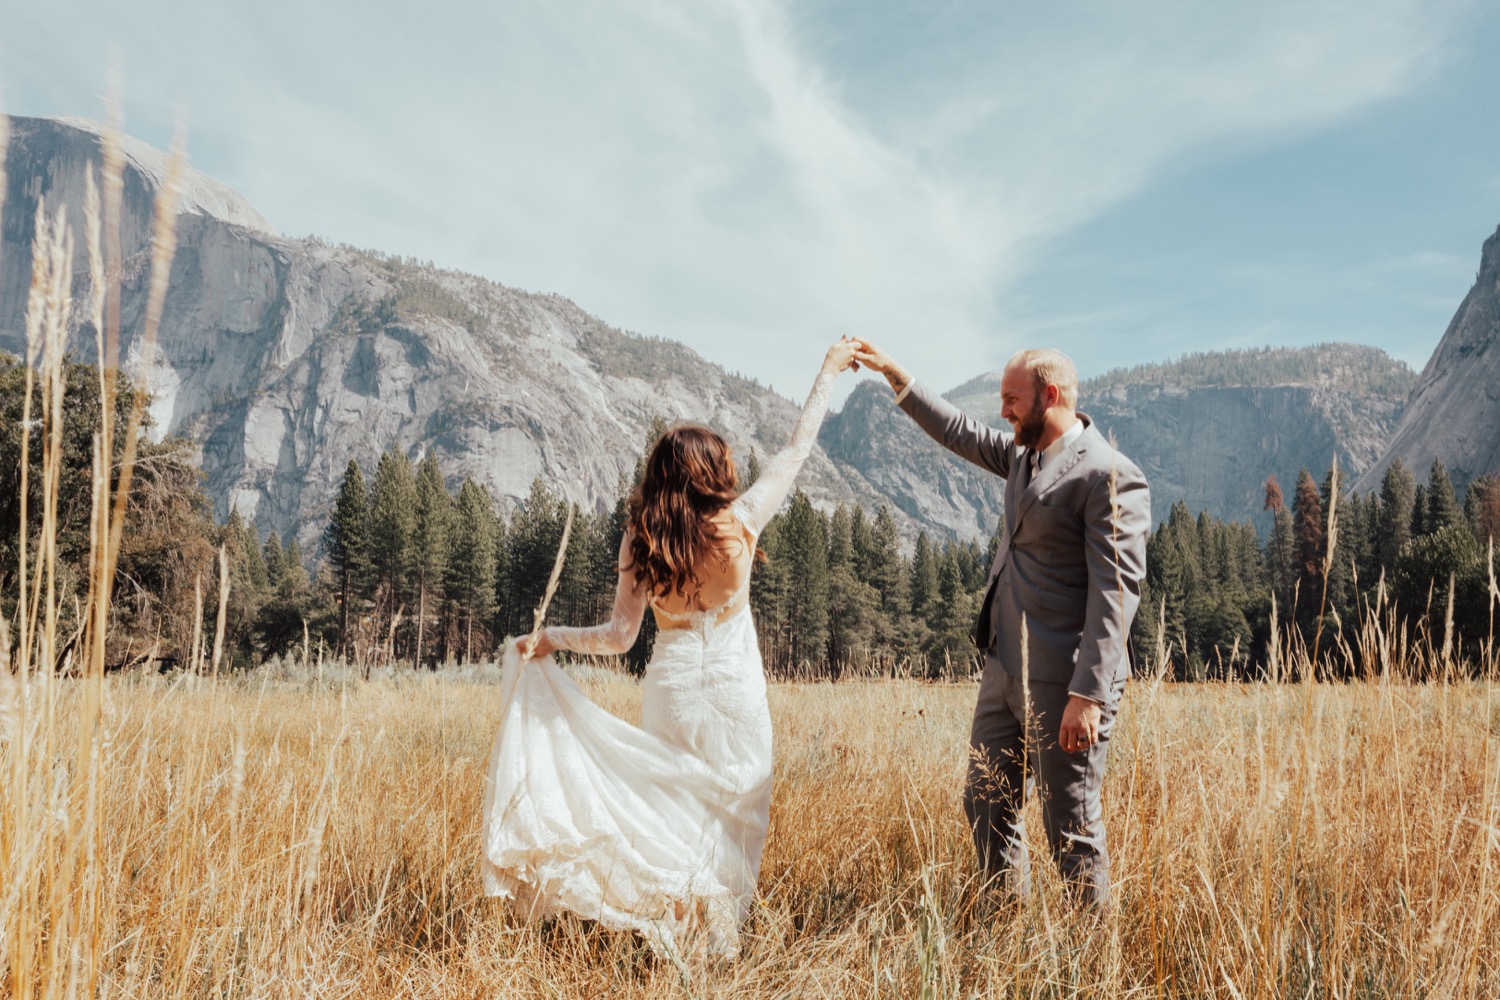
617 635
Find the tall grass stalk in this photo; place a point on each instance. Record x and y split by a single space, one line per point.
1331 539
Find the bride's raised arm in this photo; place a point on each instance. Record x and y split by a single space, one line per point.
760 502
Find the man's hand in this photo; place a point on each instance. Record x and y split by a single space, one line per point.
1080 724
535 645
873 358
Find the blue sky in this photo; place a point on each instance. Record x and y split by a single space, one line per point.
1125 181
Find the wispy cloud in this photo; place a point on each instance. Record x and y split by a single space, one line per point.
748 178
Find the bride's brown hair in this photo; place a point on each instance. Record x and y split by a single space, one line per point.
689 477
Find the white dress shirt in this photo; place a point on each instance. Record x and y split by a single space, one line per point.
1049 453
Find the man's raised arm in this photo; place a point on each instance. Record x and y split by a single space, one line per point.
945 423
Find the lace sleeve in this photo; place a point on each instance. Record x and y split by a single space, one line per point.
757 504
616 635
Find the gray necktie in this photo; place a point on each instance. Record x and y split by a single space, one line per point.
1036 461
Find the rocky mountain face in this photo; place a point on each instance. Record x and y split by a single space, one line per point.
281 359
1209 428
1454 412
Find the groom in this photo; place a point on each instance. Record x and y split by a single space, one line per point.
1066 579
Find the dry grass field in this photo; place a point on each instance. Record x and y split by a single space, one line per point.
284 837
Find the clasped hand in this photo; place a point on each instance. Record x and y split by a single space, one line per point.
535 645
842 356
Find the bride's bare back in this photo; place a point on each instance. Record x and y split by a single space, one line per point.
722 577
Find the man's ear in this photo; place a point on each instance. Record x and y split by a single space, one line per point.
1051 394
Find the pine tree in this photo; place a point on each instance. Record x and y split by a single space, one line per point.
924 578
275 561
346 541
504 585
879 564
293 569
1345 539
1442 505
853 604
1419 528
1183 533
1482 508
577 586
1398 495
248 588
430 544
1307 517
1274 499
860 541
608 530
532 542
972 565
805 537
283 621
1423 577
770 594
1282 554
392 531
1169 576
471 566
951 617
749 472
1364 538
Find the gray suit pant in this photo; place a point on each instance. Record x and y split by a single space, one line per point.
1002 769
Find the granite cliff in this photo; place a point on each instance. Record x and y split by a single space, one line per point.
1454 411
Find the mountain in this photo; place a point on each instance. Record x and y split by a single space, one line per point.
1209 428
1454 412
283 358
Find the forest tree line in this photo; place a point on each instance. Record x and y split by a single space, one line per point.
411 572
439 578
1405 554
420 575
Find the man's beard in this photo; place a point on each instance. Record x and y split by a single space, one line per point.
1030 428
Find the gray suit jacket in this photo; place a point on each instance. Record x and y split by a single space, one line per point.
1072 557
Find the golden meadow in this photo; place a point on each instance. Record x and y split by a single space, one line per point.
299 831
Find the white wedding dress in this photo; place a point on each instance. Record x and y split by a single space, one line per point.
657 829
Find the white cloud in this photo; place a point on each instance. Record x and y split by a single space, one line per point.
729 174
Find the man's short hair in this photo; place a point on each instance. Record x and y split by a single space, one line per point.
1050 367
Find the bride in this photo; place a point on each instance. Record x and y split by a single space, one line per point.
657 829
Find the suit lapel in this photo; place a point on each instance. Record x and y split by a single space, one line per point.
1051 473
